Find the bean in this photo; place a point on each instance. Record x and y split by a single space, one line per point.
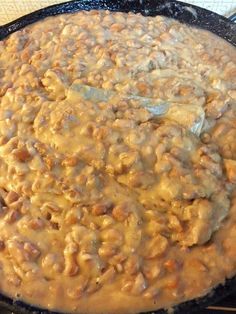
112 236
107 276
101 208
2 245
71 267
11 197
70 161
139 284
21 154
132 265
230 166
151 269
121 212
93 286
12 216
107 250
78 291
152 292
156 246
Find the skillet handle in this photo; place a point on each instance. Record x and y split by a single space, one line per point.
232 17
1 33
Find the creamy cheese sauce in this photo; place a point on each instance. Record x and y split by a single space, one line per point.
105 206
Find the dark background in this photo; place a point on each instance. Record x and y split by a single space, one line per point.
226 306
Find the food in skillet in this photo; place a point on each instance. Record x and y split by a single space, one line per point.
118 163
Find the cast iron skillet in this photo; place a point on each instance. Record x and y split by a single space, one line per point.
183 12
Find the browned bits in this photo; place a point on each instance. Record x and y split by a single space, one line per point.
101 208
55 225
121 212
21 154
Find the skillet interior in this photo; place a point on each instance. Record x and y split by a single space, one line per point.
183 12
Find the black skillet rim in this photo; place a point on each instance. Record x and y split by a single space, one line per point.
181 11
